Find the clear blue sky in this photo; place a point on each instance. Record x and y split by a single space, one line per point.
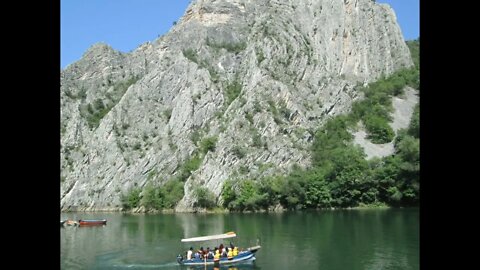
125 24
408 16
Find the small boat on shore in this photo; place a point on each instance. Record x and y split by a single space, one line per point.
246 255
92 222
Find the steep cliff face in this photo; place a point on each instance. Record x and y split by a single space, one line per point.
256 76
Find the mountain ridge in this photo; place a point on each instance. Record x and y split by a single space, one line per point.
254 77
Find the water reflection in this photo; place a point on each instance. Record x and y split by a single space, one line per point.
201 224
310 240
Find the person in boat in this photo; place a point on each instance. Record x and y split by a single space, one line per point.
220 248
197 255
230 254
223 251
235 251
209 253
189 253
216 257
201 252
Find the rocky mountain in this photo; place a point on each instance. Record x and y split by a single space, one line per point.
234 90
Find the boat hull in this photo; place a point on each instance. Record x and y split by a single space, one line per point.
92 222
245 256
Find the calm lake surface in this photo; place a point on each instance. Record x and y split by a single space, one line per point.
341 239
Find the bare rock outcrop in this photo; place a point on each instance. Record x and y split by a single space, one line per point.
258 75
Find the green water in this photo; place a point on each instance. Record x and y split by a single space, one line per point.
347 239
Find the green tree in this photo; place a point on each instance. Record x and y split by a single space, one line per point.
131 199
379 130
271 189
172 193
331 136
248 197
189 166
204 197
208 144
228 194
317 191
414 127
153 197
293 193
408 150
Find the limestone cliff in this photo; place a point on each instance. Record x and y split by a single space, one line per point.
257 76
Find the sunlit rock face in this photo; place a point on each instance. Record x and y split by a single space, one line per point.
259 76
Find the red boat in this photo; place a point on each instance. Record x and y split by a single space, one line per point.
92 222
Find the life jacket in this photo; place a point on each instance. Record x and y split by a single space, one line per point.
235 251
216 258
230 254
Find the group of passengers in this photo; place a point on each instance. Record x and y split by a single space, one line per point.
216 254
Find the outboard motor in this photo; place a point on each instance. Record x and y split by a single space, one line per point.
179 258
